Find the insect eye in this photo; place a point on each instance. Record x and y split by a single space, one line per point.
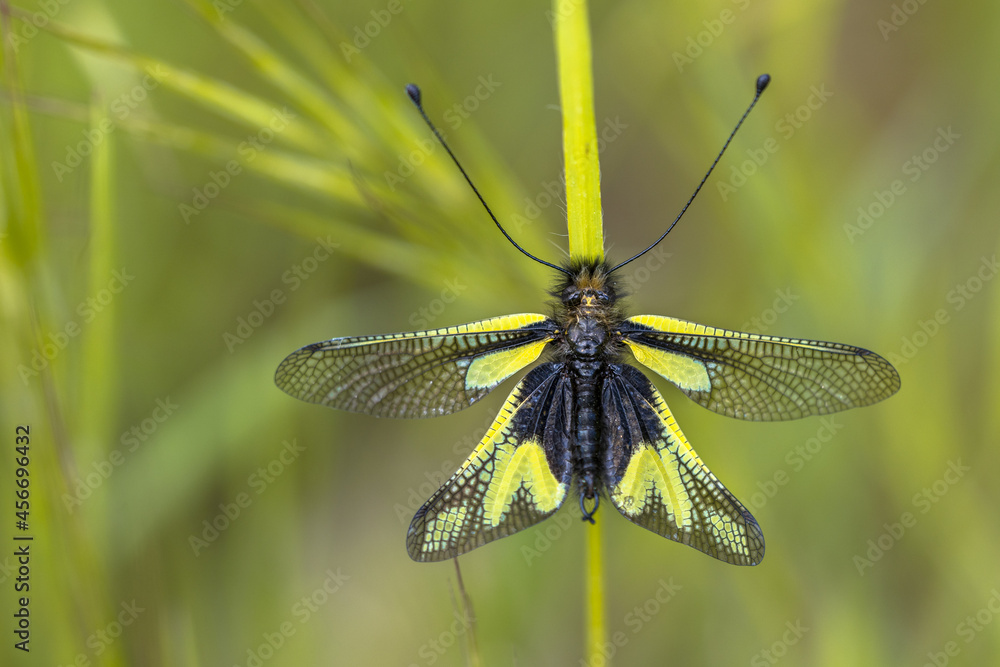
571 295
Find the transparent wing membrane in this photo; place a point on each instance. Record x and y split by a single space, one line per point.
755 377
420 374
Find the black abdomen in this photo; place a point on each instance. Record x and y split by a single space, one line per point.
586 428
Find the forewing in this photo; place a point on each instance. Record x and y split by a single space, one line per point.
756 377
657 481
518 475
419 374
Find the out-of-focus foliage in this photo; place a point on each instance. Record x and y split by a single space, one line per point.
192 190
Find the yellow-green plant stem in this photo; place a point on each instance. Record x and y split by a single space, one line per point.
586 233
576 96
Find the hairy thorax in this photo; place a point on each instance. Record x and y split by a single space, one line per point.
589 315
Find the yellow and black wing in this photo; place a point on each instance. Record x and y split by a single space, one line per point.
419 374
756 377
518 475
658 482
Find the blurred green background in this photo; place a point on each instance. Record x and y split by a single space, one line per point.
192 190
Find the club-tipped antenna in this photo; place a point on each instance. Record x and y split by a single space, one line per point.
762 82
414 92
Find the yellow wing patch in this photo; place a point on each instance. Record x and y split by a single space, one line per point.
649 473
507 483
491 369
516 468
684 371
662 485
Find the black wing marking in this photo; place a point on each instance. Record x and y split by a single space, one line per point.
419 374
518 475
657 481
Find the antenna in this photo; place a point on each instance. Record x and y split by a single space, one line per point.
414 92
762 82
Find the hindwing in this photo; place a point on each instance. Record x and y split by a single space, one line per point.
756 377
419 374
518 475
657 481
